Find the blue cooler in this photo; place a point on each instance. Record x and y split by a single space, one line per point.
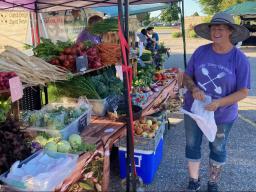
146 162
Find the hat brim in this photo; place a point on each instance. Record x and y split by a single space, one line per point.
240 33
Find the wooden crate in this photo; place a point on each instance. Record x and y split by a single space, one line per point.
112 37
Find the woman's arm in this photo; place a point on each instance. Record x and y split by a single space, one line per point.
191 86
228 100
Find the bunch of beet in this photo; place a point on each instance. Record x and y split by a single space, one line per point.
67 58
4 79
14 145
94 60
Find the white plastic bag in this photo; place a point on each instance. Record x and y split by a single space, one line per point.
204 119
45 171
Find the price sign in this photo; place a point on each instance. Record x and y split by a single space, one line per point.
113 101
82 123
119 72
15 88
81 63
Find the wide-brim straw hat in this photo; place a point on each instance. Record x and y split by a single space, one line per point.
239 33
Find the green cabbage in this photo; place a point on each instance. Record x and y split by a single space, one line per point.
75 140
51 146
64 146
41 140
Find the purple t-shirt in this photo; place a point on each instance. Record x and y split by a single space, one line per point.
218 75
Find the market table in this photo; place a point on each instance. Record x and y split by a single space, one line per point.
104 133
154 101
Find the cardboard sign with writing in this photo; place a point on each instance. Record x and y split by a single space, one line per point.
16 88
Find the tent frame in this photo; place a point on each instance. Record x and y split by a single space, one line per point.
123 5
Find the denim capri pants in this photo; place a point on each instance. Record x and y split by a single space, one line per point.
194 140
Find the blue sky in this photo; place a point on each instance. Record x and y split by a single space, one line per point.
190 7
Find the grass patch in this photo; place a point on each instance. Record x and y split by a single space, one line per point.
191 34
176 34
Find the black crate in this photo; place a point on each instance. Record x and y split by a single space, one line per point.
32 99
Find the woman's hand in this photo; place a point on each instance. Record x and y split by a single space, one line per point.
213 106
198 94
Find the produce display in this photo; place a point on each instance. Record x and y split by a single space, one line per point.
14 144
109 53
91 178
65 54
94 60
53 117
94 87
146 127
146 55
4 79
31 70
67 57
145 76
74 144
172 104
104 26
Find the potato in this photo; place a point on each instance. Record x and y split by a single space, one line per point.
139 131
143 120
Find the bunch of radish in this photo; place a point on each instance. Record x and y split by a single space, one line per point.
67 58
94 61
4 79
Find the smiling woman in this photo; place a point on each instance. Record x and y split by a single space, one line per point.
222 72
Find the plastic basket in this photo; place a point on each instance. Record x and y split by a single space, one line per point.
75 127
99 106
142 143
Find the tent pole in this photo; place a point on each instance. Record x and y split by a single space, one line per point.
128 163
32 28
183 34
131 133
37 26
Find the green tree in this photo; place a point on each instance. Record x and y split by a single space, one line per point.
195 14
211 7
228 3
171 13
143 18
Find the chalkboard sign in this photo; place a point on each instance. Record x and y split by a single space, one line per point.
113 102
82 123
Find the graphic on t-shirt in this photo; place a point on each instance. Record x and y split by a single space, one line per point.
217 89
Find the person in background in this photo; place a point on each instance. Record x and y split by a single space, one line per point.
145 41
85 35
221 71
154 36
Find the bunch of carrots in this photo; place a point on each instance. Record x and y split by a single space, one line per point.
109 53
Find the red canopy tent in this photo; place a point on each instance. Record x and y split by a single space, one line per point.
37 6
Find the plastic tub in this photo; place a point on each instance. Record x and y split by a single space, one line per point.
75 127
99 106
